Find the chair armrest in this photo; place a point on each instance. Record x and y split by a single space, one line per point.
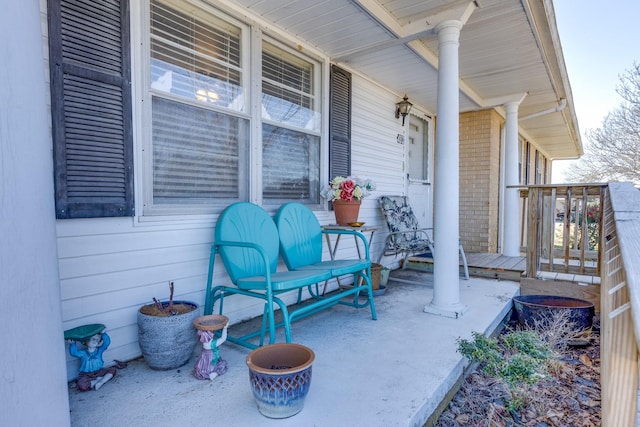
419 231
418 235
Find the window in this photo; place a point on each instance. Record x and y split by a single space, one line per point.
203 127
538 168
527 163
290 128
200 138
208 136
520 162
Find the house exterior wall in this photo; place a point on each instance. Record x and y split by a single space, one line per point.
109 267
480 180
33 389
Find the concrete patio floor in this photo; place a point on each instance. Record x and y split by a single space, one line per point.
390 372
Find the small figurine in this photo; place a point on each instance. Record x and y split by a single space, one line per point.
209 365
92 373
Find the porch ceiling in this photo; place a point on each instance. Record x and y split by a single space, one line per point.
507 48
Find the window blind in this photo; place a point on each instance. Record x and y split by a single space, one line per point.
290 153
199 153
291 161
197 156
194 58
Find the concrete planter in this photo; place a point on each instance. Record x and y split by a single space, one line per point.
167 342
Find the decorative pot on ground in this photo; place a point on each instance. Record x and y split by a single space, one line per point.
376 271
346 211
384 276
280 376
166 334
532 309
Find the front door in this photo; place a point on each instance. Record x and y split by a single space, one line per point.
418 171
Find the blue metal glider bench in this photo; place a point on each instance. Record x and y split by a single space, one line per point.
301 250
247 240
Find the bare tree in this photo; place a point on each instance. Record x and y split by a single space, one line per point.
613 150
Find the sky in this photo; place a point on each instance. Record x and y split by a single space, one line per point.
600 41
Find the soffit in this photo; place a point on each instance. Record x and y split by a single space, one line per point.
507 47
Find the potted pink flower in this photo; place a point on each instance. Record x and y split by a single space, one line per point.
346 193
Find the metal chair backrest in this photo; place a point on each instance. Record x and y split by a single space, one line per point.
399 217
249 224
300 235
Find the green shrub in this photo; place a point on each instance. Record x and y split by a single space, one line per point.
520 368
484 351
519 359
528 342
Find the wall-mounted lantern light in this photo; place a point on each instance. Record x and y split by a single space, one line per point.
403 108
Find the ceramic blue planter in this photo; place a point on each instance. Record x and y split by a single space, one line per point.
280 376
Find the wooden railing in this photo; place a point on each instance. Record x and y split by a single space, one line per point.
615 249
562 228
620 306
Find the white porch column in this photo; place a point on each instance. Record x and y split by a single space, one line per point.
446 276
511 245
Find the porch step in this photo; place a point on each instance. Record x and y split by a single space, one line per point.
492 266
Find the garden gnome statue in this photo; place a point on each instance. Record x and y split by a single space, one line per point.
92 373
209 365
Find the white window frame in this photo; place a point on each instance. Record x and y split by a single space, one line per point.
252 37
317 108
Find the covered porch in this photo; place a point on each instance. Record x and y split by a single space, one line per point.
399 368
100 264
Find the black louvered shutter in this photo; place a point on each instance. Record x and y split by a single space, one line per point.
91 107
339 123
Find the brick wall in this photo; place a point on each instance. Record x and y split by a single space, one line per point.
479 180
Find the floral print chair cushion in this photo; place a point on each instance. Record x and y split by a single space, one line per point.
405 234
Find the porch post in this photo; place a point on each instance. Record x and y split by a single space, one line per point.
511 245
446 276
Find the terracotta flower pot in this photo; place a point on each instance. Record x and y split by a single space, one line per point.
346 211
280 376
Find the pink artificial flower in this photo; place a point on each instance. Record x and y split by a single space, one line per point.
348 185
346 196
347 188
